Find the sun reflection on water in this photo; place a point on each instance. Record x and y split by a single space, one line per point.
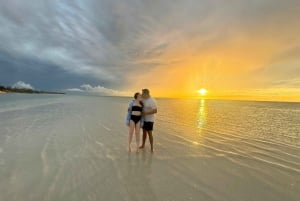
201 120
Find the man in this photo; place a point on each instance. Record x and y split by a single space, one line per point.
149 109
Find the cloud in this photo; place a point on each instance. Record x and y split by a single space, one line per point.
291 83
282 68
100 90
22 85
75 90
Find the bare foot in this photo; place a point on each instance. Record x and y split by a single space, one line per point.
152 151
129 149
141 147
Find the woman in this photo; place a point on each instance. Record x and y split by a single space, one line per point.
135 111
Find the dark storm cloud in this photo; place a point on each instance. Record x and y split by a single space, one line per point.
40 75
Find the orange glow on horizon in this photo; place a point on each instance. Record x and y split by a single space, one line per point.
231 69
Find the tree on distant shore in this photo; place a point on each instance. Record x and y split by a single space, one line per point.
25 90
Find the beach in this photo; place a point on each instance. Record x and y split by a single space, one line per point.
74 147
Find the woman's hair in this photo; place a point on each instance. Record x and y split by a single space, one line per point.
136 95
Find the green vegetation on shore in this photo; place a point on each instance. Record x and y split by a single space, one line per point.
27 91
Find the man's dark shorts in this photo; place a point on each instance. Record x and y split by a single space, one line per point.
148 126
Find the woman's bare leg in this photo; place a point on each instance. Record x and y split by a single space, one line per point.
131 129
144 139
137 135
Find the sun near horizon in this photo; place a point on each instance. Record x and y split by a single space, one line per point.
202 92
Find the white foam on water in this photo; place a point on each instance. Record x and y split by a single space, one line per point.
99 143
105 127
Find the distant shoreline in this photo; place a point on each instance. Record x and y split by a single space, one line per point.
26 91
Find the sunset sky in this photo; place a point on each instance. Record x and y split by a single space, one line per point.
236 49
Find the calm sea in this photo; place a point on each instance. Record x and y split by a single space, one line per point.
73 147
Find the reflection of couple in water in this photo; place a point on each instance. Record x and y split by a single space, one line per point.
141 112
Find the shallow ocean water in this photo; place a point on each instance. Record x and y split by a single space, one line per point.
71 147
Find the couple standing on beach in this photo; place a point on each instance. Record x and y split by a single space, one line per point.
141 112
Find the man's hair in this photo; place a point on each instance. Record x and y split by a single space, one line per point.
146 91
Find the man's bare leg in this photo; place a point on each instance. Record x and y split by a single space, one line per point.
144 139
151 140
